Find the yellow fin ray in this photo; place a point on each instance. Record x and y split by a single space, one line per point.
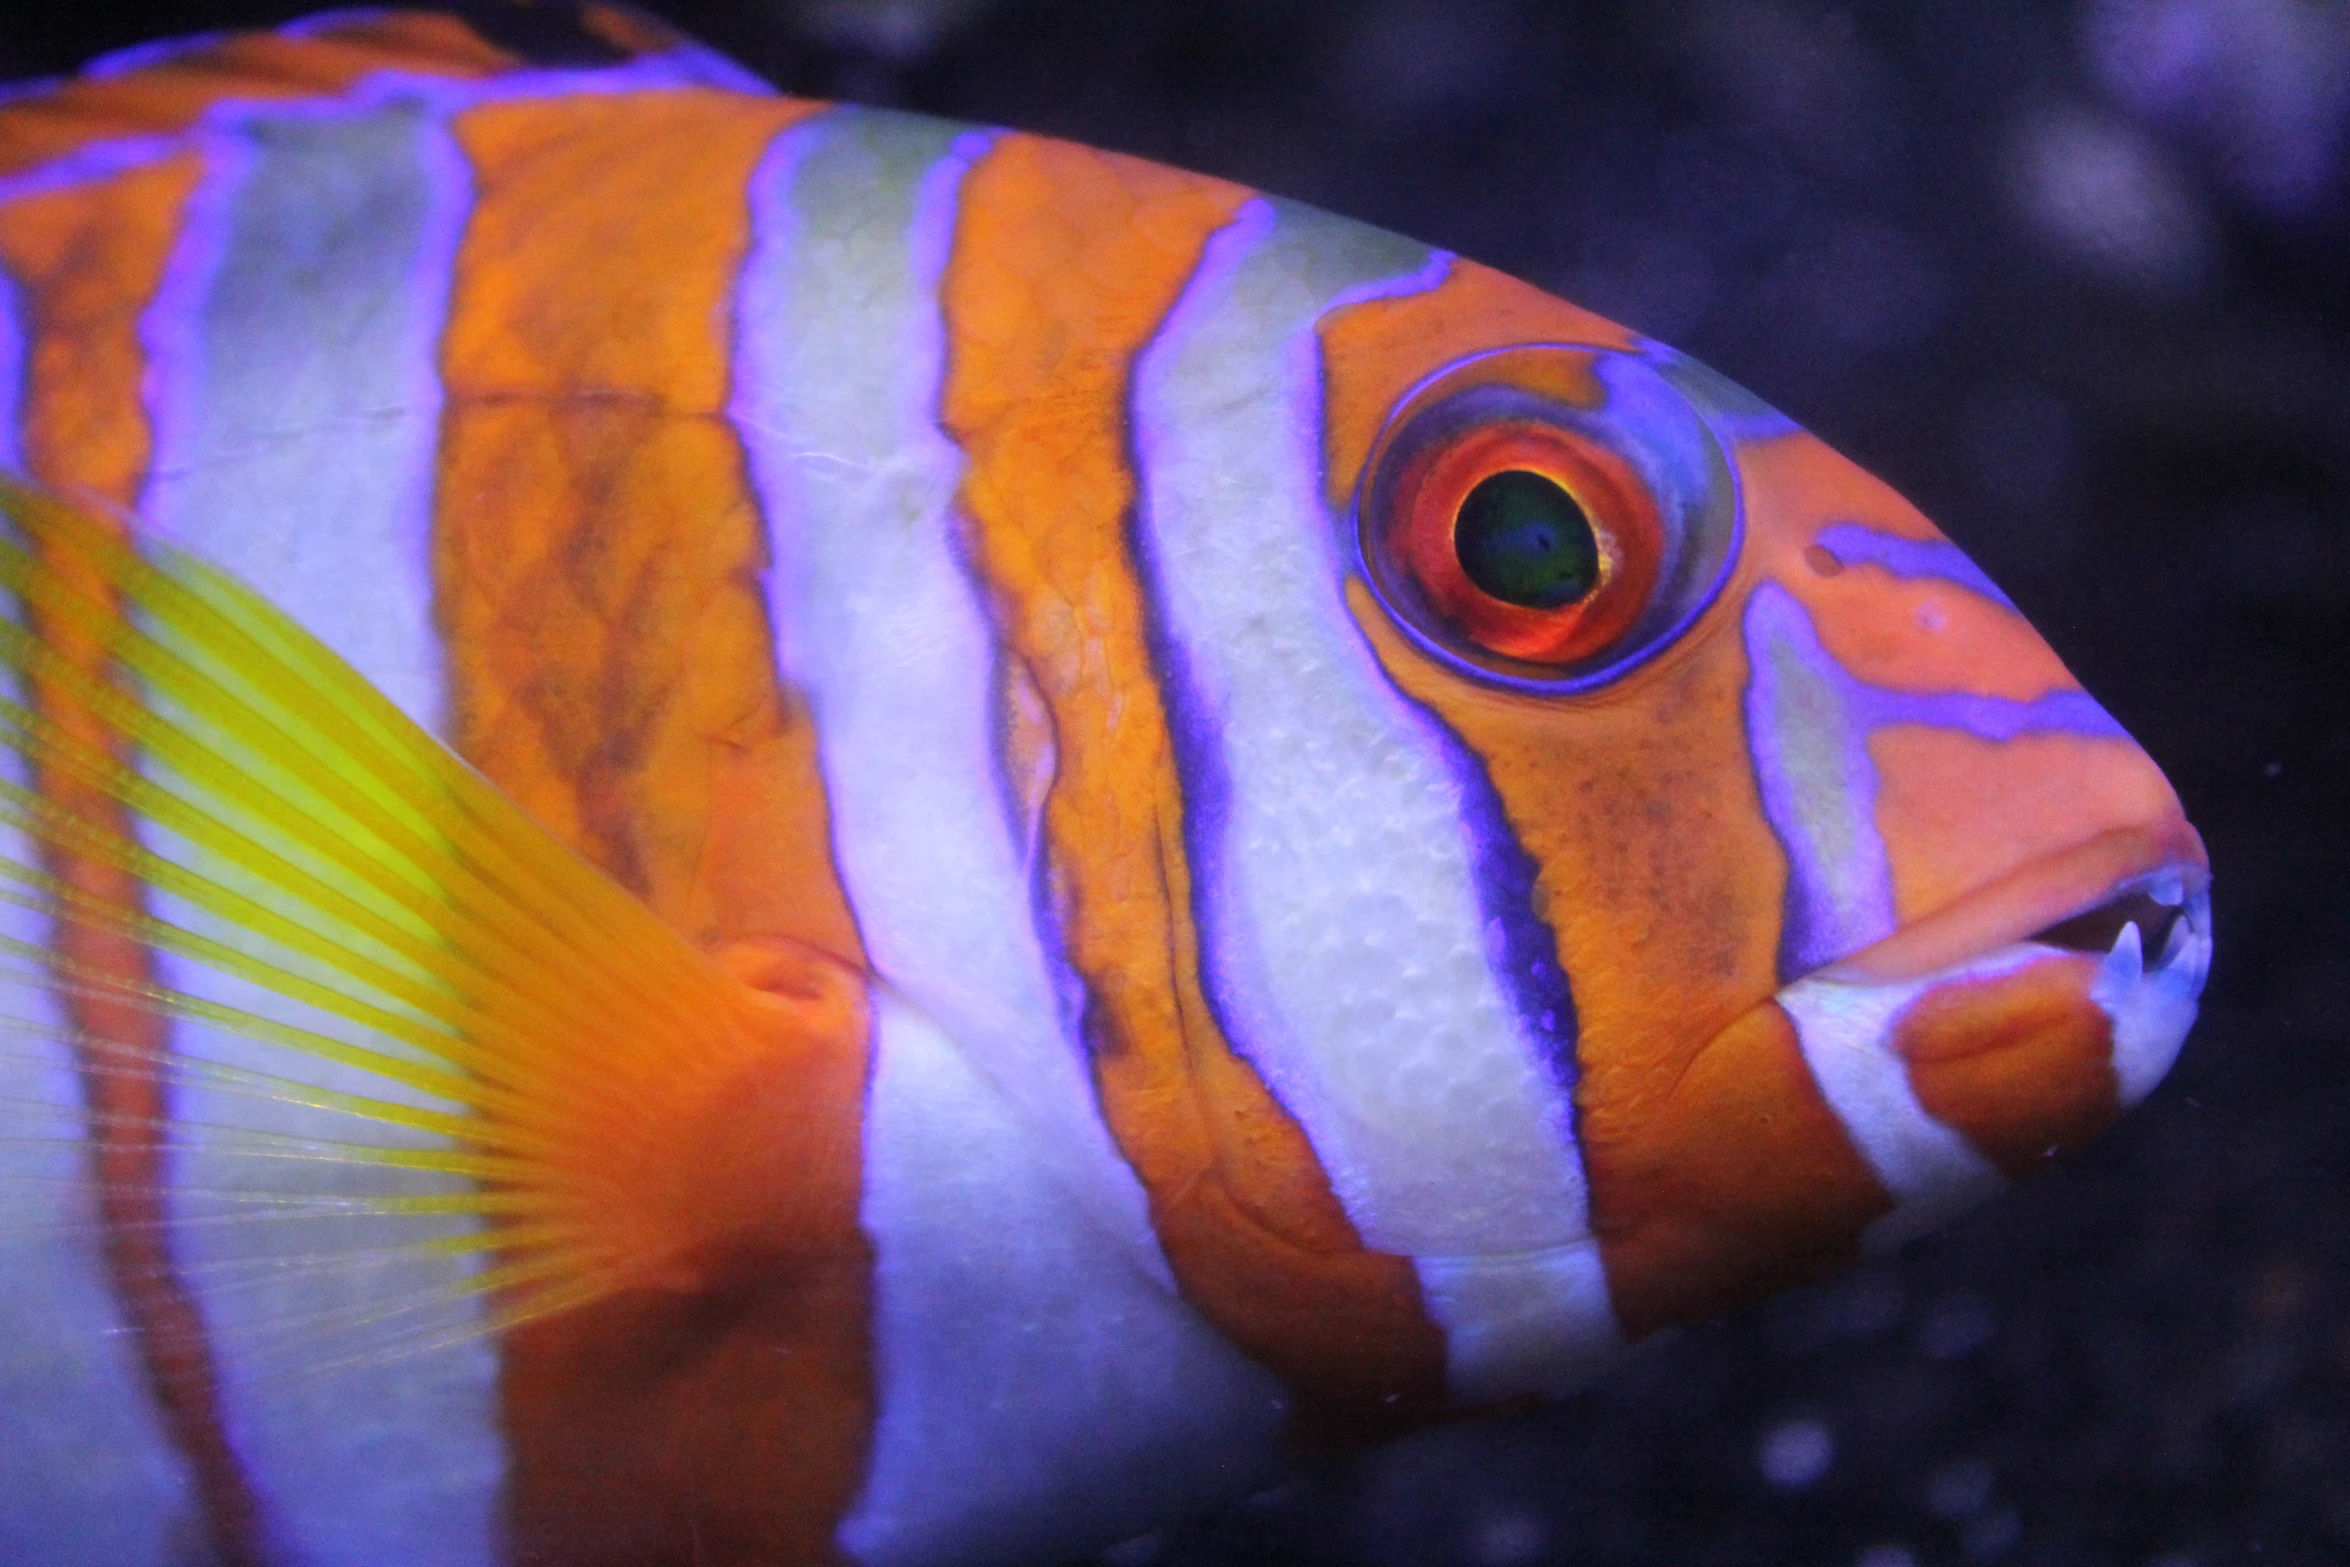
318 821
394 942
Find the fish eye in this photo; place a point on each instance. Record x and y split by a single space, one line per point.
1546 517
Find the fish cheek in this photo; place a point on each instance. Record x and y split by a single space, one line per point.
1715 1169
1655 865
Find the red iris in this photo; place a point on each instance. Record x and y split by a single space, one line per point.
1419 532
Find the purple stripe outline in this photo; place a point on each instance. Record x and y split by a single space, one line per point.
1808 724
1857 544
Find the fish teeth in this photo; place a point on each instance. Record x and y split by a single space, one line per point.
2126 963
2168 888
2181 932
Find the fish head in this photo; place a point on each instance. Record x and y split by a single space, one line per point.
1792 895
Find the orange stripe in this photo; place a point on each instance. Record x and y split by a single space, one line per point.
599 549
168 97
1065 262
596 570
88 261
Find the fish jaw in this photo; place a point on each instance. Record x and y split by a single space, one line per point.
2013 1025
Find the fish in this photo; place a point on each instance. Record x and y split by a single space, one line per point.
736 830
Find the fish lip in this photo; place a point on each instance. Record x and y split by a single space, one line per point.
2164 859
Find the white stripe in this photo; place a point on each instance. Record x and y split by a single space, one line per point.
1540 1323
297 409
294 353
1041 1394
1846 1030
1042 1386
1343 928
87 1477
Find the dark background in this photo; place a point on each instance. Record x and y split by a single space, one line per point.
2075 276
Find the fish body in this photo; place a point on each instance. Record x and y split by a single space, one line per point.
1112 828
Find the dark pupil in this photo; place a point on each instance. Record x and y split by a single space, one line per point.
1523 540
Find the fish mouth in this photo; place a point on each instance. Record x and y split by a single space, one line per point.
2075 900
2014 1024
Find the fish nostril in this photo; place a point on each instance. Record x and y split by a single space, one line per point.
2096 930
1822 560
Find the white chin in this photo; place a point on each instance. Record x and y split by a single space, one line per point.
2153 1004
1847 1023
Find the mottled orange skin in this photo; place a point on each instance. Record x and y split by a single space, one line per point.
598 552
598 559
